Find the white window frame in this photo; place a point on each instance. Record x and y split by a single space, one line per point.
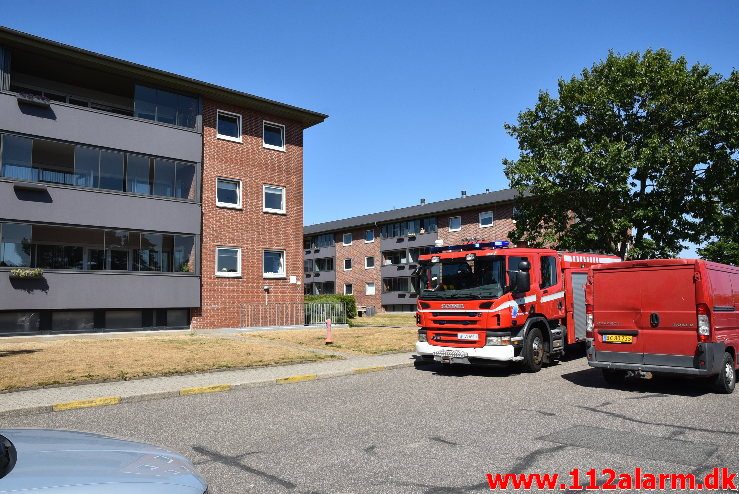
284 264
492 219
346 285
350 264
269 146
450 224
365 236
239 120
221 274
343 238
228 205
373 262
366 288
264 201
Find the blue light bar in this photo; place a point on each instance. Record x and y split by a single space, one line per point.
498 244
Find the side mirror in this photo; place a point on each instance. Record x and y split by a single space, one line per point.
520 281
524 266
416 280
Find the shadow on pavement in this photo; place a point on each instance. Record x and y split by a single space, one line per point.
659 385
502 370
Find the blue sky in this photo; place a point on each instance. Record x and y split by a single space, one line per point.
417 92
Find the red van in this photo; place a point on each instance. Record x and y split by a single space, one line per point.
672 316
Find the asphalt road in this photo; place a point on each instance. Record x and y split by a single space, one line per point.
428 430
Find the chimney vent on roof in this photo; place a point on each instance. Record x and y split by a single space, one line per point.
423 201
464 193
487 190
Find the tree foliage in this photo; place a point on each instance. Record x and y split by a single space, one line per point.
634 155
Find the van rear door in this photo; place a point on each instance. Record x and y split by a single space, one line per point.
617 311
668 323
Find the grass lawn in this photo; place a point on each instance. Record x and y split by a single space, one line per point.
384 320
368 341
43 362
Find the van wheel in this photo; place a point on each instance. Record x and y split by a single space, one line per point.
725 381
614 378
533 351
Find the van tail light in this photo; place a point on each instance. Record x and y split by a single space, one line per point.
704 322
588 321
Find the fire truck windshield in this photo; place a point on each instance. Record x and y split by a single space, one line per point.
483 277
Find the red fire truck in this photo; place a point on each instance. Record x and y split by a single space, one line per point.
484 303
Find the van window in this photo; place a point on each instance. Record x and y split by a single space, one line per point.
548 271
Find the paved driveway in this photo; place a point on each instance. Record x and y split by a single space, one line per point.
428 430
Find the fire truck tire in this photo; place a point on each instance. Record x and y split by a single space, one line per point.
615 378
533 350
725 380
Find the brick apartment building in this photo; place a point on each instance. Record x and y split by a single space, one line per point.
372 256
146 199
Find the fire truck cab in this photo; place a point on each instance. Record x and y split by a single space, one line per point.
485 303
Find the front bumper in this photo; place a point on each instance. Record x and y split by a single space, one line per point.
454 355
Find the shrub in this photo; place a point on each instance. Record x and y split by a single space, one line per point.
349 300
26 273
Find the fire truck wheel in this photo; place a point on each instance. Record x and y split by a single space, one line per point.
725 381
533 351
614 378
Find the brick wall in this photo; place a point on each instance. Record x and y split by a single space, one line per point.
358 275
250 228
502 225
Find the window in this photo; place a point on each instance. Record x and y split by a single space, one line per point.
347 239
347 264
274 199
228 126
548 271
403 228
165 106
274 136
228 193
308 265
369 262
348 289
324 264
274 264
72 320
394 257
486 219
123 319
369 288
369 236
395 285
95 249
19 322
455 223
41 160
228 262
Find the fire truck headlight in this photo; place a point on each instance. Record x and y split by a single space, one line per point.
422 336
470 257
497 340
435 259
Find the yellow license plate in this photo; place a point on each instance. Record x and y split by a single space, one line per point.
617 338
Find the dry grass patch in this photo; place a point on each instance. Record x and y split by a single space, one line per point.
368 341
33 363
384 320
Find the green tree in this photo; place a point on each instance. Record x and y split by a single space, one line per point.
627 158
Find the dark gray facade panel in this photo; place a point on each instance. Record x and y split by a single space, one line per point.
101 209
87 126
397 270
320 277
85 290
419 211
398 298
420 240
319 253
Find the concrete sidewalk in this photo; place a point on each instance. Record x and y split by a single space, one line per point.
112 393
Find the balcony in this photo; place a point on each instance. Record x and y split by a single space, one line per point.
399 298
99 290
320 276
319 252
68 122
409 241
396 270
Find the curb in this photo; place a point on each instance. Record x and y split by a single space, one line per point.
190 391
